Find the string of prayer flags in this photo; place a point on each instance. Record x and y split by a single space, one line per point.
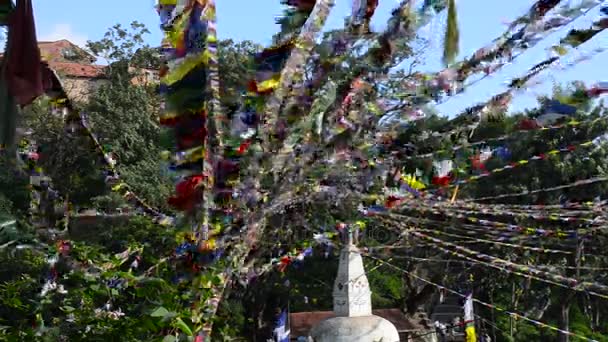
190 53
208 250
313 24
555 217
76 121
399 25
445 178
516 272
490 306
498 243
291 23
531 192
119 186
509 266
255 102
517 84
598 89
444 172
361 15
503 152
294 258
466 216
312 19
542 156
490 59
293 69
504 233
212 103
588 206
438 199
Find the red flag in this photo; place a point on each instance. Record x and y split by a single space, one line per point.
23 67
187 193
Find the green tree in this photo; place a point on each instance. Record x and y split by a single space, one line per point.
235 68
126 44
64 156
125 116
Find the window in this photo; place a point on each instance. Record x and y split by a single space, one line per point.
69 54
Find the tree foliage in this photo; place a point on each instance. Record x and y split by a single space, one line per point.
150 302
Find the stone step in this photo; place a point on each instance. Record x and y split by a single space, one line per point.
446 318
447 308
457 307
451 300
446 314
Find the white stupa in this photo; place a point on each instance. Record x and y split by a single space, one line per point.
353 320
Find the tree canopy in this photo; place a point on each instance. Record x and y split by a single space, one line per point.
246 165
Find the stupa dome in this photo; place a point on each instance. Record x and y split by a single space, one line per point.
353 320
354 329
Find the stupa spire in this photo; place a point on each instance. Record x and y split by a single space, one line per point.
352 294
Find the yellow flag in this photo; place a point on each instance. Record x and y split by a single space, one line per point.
560 50
470 334
469 320
412 182
269 84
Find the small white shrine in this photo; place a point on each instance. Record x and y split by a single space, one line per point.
353 320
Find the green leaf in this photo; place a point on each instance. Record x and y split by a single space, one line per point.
216 280
170 338
68 308
150 280
159 312
149 324
183 326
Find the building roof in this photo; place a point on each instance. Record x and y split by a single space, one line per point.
302 322
54 52
78 70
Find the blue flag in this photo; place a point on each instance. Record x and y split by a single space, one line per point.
281 330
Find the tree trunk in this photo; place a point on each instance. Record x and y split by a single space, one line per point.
596 316
564 318
511 321
493 315
415 300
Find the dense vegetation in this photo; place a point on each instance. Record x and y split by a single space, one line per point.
124 263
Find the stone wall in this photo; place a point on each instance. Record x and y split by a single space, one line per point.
79 89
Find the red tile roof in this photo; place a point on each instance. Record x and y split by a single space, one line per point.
78 70
52 55
53 51
302 322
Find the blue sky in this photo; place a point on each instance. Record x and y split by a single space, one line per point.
480 22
